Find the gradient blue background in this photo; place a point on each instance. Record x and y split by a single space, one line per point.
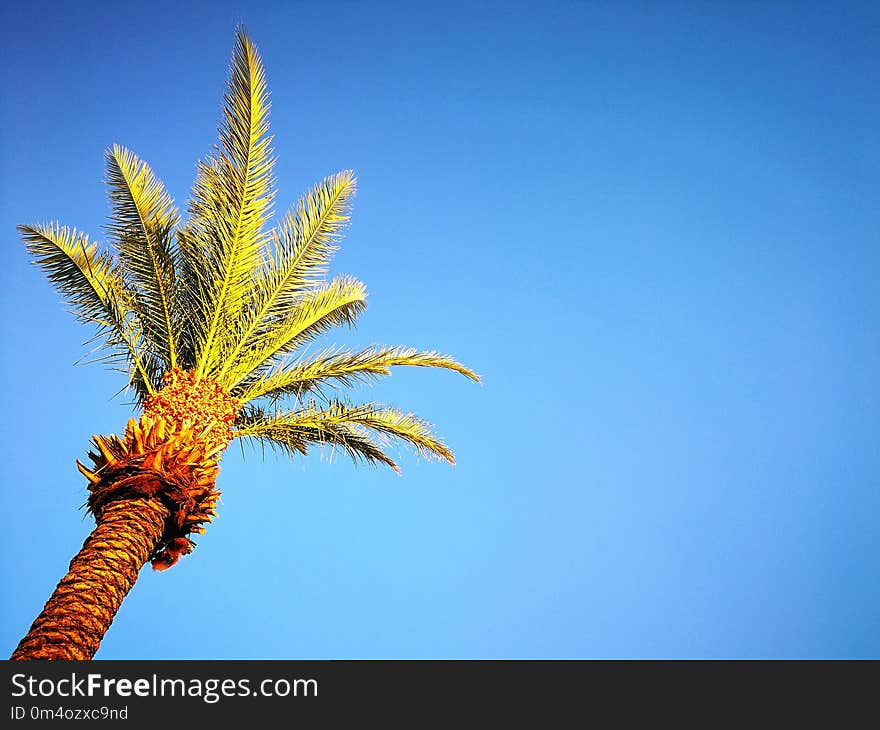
651 226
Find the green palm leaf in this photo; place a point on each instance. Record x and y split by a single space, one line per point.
222 245
93 287
344 425
303 245
336 303
294 435
143 223
343 368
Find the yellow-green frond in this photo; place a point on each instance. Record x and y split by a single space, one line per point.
343 368
142 224
96 293
222 246
293 433
406 427
306 239
302 247
315 423
336 303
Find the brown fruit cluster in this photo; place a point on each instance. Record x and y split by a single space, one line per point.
202 403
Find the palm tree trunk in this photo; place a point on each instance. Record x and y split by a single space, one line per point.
81 609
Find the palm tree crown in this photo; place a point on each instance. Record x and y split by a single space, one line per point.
227 299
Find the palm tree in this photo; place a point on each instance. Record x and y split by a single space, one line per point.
208 318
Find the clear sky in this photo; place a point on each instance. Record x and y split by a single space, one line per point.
653 228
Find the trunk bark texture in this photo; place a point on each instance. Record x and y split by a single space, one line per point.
79 612
149 490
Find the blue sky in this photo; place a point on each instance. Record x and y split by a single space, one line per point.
652 228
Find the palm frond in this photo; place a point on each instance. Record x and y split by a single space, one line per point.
338 302
222 245
143 223
343 368
93 287
337 421
302 247
406 427
293 433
